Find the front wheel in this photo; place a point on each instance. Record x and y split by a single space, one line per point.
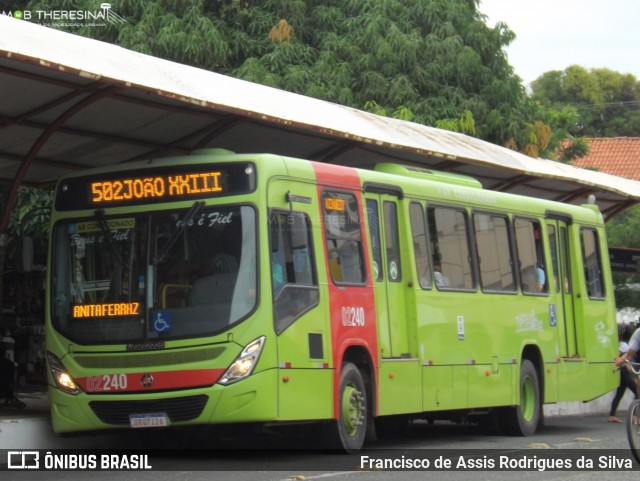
633 428
348 432
523 419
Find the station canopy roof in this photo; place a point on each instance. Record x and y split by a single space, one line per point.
70 103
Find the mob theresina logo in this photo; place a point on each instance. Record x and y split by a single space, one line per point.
69 18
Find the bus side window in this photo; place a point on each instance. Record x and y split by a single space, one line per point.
533 276
343 237
494 252
451 253
293 276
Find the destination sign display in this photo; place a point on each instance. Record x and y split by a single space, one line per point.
331 203
155 188
164 184
118 309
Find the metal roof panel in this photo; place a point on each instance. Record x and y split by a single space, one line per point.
98 103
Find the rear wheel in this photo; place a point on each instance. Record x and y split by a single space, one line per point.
348 432
633 429
523 419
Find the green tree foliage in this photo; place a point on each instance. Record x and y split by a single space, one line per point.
589 103
583 103
435 62
30 218
622 231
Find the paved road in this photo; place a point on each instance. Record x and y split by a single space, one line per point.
206 453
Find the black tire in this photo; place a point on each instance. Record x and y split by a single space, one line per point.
347 434
633 428
523 419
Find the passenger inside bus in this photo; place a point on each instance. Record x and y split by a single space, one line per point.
440 278
542 278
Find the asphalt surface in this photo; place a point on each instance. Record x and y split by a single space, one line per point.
30 428
183 455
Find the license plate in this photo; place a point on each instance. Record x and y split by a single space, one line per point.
152 420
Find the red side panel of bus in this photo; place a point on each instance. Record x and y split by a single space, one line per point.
342 298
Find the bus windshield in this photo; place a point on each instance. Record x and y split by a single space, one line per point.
154 276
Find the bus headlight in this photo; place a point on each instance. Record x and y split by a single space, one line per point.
61 376
245 363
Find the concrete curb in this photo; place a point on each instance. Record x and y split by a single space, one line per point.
600 405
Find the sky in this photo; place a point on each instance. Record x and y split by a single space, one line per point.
554 34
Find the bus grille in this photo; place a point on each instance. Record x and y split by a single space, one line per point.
103 361
178 409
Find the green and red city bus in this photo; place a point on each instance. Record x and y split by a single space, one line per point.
221 288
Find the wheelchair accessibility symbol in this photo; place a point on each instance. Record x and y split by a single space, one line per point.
161 321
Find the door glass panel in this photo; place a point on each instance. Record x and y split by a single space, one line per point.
420 245
392 242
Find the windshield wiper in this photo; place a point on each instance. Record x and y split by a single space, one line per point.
191 213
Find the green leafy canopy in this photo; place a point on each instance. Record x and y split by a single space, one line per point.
434 62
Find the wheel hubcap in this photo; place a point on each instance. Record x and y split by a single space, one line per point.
527 399
353 410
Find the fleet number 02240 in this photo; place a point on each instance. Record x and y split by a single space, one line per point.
353 316
107 382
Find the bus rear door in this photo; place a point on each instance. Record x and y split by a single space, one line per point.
399 367
571 361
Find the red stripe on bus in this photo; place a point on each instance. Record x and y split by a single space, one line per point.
335 177
149 381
